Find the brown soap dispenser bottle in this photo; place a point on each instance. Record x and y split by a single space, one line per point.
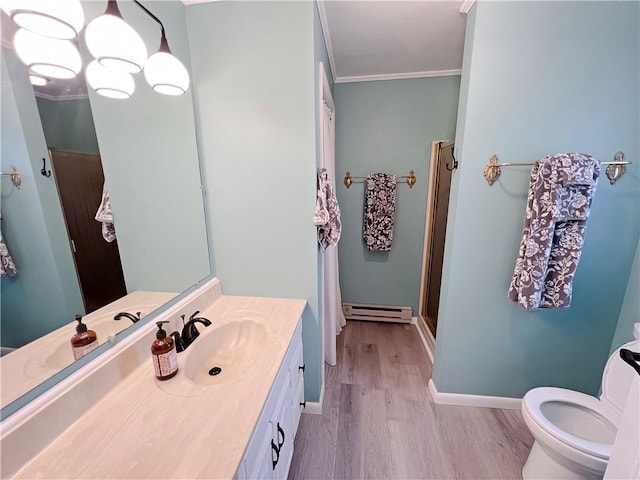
164 355
84 340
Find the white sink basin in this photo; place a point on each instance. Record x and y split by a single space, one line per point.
230 347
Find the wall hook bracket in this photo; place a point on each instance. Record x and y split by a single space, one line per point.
617 168
43 170
452 166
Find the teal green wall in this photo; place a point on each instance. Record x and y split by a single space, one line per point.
68 124
540 78
630 312
254 87
388 126
150 160
45 293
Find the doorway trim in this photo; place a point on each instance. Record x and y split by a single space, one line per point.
425 333
324 97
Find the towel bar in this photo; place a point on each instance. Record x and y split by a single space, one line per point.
614 169
410 179
16 179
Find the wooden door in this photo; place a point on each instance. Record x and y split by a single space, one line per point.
80 180
439 208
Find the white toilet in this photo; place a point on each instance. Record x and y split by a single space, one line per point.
574 432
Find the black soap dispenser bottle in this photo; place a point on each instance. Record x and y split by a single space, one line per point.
164 355
84 340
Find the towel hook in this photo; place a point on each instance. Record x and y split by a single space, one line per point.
43 170
449 166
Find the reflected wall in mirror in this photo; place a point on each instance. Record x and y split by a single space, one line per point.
143 150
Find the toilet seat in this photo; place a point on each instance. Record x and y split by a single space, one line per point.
596 411
574 433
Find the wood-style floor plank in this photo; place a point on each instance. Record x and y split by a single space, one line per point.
379 420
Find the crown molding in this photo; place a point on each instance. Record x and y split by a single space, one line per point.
327 38
58 98
466 6
398 76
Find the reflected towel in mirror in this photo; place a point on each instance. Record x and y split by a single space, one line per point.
105 216
7 265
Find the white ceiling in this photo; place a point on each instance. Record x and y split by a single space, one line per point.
390 39
386 39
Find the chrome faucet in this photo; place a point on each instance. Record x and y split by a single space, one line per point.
133 318
189 331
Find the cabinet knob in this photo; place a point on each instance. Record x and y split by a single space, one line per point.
303 404
301 368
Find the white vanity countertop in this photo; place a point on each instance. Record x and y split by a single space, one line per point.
158 430
30 365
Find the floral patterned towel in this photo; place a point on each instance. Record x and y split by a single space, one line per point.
561 190
105 216
7 267
379 211
327 213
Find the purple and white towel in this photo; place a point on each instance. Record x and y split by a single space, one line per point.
327 213
7 265
561 190
104 216
379 211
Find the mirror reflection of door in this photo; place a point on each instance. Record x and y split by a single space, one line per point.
80 179
436 232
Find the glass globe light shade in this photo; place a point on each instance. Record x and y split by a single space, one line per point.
47 57
37 80
166 74
109 82
115 44
61 19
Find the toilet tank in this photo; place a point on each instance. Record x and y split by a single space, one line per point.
618 377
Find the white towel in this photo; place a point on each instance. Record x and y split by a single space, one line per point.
105 216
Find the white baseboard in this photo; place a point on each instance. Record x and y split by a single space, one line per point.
426 337
315 408
466 400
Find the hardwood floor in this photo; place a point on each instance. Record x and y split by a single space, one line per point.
379 420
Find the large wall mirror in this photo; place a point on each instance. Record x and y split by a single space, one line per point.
70 146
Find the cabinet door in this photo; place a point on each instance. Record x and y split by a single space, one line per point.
280 427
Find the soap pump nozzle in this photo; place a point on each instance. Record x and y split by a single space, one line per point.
160 334
81 327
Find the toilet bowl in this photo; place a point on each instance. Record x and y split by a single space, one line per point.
574 432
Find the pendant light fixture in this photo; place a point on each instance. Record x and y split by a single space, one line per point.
109 82
62 19
43 45
47 57
163 71
114 43
37 80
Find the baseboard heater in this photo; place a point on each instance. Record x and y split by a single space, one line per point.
377 313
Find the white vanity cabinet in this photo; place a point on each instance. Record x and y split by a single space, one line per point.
270 449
